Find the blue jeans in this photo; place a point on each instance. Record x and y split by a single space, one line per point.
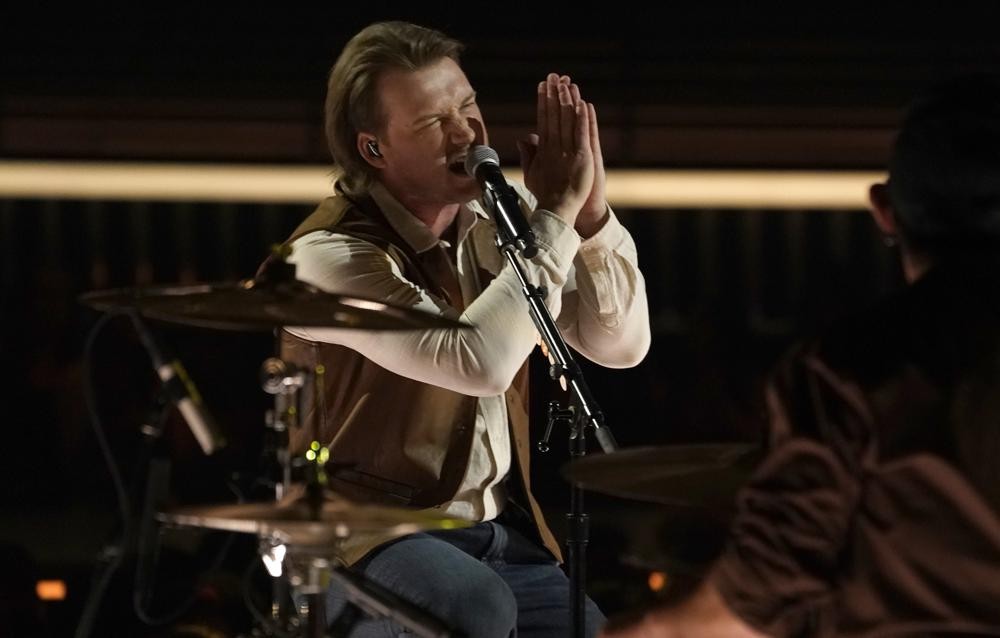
484 581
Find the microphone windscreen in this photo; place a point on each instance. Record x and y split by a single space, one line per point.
477 155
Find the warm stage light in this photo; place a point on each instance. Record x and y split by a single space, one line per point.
51 589
657 581
307 184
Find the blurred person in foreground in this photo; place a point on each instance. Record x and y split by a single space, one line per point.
875 511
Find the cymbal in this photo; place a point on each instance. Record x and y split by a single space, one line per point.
262 305
705 475
292 521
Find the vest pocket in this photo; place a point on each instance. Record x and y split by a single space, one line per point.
366 487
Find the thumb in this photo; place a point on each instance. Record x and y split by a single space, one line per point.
527 147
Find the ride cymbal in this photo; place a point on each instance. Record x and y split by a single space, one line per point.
702 475
255 305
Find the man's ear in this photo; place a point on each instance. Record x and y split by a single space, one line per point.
881 209
369 150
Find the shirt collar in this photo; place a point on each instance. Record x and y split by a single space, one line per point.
413 231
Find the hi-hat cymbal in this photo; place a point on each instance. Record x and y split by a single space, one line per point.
704 475
256 305
293 521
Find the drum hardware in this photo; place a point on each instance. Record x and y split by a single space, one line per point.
296 521
254 305
311 569
695 487
298 530
298 537
274 299
701 475
286 382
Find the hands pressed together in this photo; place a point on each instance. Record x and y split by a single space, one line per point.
562 162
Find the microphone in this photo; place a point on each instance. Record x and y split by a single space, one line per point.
483 163
181 391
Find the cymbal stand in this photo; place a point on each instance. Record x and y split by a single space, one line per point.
285 381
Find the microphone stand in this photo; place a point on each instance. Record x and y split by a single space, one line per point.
581 415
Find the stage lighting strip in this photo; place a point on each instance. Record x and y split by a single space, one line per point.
665 188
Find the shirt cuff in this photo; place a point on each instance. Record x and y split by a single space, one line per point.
556 238
606 239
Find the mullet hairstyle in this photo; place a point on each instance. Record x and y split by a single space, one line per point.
352 104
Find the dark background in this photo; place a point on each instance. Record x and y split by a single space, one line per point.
719 85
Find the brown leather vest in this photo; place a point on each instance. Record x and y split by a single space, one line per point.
365 412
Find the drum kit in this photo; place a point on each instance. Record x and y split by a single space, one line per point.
299 530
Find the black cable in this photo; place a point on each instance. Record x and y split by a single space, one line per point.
111 555
142 590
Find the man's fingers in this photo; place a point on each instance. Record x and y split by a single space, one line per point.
583 128
527 148
541 111
595 135
568 119
553 109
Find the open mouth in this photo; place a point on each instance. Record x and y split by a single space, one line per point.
458 166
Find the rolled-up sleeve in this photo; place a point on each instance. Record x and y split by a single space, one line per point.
605 312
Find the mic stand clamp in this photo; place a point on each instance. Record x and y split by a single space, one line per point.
509 234
584 413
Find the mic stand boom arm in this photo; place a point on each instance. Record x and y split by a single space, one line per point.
584 414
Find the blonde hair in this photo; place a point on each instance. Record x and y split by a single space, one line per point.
352 99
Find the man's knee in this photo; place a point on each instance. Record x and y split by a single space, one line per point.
464 593
483 606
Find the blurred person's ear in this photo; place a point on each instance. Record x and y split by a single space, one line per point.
881 209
